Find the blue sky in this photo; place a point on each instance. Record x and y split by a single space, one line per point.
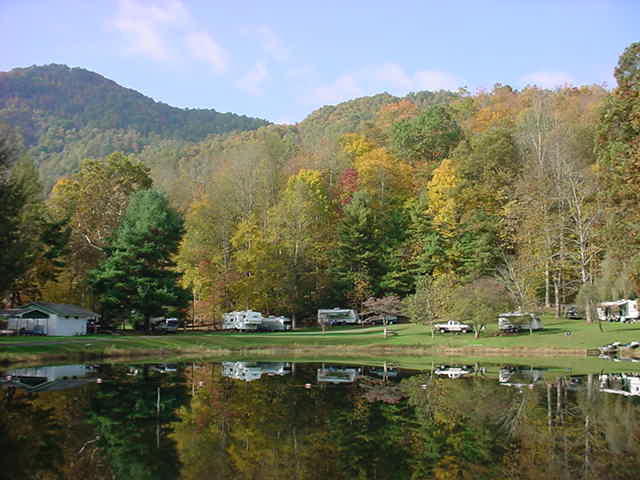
282 59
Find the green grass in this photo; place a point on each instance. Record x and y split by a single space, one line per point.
335 341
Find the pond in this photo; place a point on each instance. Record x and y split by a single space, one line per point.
284 420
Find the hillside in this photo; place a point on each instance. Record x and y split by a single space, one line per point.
68 114
39 97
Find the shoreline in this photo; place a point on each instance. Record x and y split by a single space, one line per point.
112 353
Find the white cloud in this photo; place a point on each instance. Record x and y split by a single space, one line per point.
389 77
393 77
203 47
547 79
344 88
252 81
164 30
145 25
271 43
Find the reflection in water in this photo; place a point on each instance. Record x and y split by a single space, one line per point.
250 371
277 420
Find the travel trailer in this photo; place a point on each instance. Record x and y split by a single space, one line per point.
275 324
514 322
337 316
250 321
618 311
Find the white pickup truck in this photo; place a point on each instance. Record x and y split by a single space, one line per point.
453 326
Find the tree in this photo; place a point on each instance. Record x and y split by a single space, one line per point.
94 201
429 137
480 302
12 200
382 308
42 240
618 150
358 257
432 299
137 275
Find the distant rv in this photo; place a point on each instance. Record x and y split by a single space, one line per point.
618 311
250 321
514 322
337 316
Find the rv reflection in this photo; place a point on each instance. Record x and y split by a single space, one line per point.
338 374
250 371
627 384
520 377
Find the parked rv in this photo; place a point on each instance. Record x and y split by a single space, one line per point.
275 324
250 321
618 311
337 316
514 322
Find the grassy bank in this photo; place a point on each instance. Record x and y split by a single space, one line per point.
560 337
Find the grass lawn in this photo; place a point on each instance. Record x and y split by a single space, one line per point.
340 341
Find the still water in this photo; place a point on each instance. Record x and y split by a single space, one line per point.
282 420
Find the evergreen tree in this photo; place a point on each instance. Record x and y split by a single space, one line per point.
137 276
12 200
358 260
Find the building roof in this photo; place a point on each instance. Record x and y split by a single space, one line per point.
60 309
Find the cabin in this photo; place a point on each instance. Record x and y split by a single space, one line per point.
44 318
618 311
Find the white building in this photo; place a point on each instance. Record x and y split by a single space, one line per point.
56 319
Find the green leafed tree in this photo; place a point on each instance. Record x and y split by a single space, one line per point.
12 200
429 137
138 276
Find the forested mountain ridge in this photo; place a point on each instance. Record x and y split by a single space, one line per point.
65 115
38 97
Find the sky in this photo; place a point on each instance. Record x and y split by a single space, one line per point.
282 59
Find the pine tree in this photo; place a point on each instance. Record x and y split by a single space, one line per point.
137 277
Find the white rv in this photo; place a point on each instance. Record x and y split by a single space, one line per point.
244 321
337 316
275 324
514 322
618 311
250 321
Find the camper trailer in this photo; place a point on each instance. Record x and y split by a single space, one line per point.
337 316
618 311
250 321
275 324
514 322
244 321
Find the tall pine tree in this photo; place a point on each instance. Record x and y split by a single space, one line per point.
138 277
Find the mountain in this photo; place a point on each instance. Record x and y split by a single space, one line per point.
68 114
38 97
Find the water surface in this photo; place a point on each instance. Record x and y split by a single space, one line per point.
282 420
